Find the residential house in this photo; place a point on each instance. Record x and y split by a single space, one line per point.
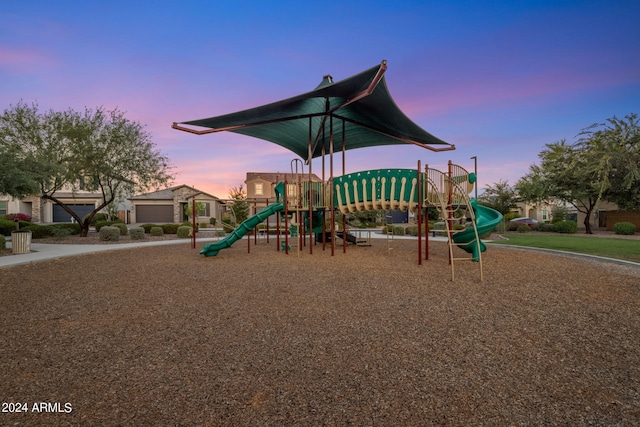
45 211
168 206
542 211
607 215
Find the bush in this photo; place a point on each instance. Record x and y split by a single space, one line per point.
398 230
170 228
625 228
100 216
523 229
513 226
147 227
39 231
546 227
511 215
412 230
156 231
184 231
3 242
100 224
6 227
109 233
568 227
68 227
122 227
188 224
136 233
20 216
212 221
61 232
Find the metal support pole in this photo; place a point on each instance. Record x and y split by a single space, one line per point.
475 171
333 213
419 213
426 215
193 220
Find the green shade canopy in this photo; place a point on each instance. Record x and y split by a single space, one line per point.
357 111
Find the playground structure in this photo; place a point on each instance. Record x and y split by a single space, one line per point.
305 213
354 113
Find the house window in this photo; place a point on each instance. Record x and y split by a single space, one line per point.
204 211
259 189
545 215
3 208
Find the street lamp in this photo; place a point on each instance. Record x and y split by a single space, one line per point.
475 171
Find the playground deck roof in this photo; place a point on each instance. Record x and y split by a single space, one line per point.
358 111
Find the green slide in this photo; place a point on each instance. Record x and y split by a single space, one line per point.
486 220
245 226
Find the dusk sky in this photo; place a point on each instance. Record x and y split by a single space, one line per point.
499 79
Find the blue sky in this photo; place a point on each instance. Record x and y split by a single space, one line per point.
499 79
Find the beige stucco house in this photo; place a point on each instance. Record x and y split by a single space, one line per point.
45 211
168 206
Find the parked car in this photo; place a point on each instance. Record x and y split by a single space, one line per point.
531 222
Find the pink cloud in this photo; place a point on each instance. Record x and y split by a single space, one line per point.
24 60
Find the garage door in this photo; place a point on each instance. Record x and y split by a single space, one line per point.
81 209
154 214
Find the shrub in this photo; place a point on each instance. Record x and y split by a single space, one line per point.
122 227
148 227
523 229
568 227
203 225
60 232
212 221
188 224
626 228
136 233
183 231
398 230
100 216
156 231
19 216
72 228
6 227
546 227
39 231
513 226
412 230
170 228
511 215
3 242
100 224
109 233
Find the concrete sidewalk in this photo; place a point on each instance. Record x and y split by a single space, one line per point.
43 251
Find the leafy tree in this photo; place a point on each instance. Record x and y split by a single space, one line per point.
564 174
501 196
17 175
100 151
240 207
603 164
615 148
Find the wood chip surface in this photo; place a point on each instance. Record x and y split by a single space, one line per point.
161 336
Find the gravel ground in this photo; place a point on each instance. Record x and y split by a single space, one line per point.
163 336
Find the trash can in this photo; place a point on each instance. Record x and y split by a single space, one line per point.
21 241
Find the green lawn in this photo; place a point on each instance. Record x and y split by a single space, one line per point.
625 249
